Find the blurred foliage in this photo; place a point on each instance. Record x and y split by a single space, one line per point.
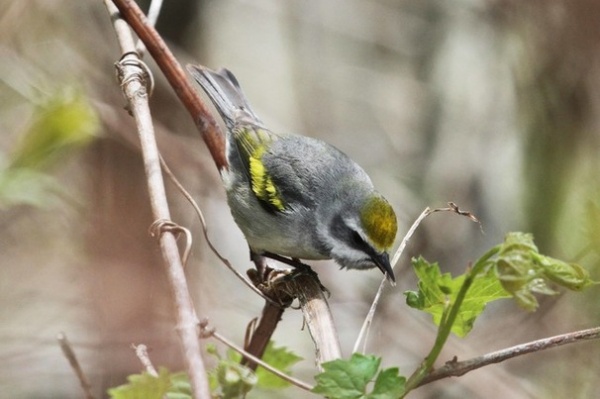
62 123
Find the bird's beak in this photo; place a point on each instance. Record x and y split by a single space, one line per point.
383 263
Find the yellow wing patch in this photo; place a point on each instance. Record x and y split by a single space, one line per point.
254 143
379 221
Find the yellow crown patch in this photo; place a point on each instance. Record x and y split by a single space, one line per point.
379 221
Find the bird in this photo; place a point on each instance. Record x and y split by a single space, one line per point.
295 196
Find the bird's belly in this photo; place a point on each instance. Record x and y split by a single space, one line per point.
282 241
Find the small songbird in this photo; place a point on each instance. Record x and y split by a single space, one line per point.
297 196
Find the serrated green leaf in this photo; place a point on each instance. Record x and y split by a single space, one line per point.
280 358
347 379
437 293
388 385
144 386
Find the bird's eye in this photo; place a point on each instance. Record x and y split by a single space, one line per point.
357 239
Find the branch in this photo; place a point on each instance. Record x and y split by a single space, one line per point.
364 330
133 77
455 368
211 134
306 287
70 355
207 331
141 351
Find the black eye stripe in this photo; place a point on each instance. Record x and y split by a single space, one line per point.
358 240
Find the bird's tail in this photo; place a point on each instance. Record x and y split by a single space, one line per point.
225 93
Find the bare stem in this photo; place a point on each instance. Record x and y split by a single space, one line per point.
134 77
210 332
364 331
169 66
70 355
455 368
141 351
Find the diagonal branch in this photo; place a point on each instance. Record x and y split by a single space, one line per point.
169 66
455 368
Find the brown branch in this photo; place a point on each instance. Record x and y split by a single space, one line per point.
214 139
70 355
133 76
455 368
261 335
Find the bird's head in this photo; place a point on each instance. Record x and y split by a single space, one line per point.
361 233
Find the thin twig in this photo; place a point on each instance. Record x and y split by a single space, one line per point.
153 13
200 112
141 351
70 355
455 368
200 215
206 331
364 331
133 79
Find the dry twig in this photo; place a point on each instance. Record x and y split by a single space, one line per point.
70 355
454 368
207 332
133 80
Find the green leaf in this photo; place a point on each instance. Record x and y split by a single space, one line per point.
388 385
347 379
523 271
146 386
280 358
437 293
24 186
64 121
229 379
180 387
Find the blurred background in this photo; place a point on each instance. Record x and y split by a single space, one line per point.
492 104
